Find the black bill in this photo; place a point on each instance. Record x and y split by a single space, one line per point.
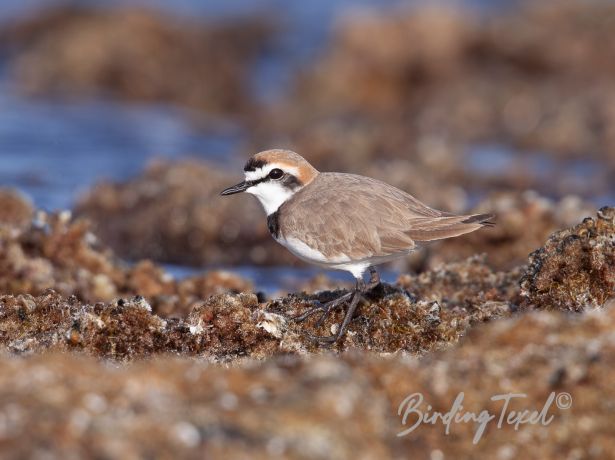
241 187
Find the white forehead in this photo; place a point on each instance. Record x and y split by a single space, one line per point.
260 173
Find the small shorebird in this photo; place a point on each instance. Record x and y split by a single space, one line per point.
343 221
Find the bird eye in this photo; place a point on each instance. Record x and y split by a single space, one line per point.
276 173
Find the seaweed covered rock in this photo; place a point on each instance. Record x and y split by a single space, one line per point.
228 327
523 222
470 284
326 406
135 54
123 330
55 251
173 213
575 269
15 209
231 325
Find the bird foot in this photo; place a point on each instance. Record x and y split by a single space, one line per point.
355 296
324 339
325 308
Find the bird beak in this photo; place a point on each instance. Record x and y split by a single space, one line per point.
241 187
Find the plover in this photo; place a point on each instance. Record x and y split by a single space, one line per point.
343 221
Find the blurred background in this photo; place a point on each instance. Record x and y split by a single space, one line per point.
135 114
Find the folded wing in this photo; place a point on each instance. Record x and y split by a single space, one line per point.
355 217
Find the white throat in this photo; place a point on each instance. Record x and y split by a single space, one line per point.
271 194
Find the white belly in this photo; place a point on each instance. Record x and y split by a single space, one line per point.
311 255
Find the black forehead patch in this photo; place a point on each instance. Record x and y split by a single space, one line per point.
253 164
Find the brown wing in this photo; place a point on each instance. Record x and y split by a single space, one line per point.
343 214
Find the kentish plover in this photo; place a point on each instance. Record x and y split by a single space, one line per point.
343 221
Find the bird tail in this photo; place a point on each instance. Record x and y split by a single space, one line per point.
437 228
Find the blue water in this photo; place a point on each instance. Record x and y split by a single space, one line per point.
273 280
54 151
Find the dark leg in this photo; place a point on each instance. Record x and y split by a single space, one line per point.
374 279
357 295
324 308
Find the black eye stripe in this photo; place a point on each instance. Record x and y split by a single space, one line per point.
289 181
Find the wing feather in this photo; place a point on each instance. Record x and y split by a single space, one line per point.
361 218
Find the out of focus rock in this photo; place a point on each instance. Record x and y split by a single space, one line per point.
427 86
135 54
575 269
55 251
533 355
522 223
174 213
326 406
15 209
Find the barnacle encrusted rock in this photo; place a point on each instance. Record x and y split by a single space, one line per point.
325 406
173 213
228 327
15 208
135 54
575 269
59 252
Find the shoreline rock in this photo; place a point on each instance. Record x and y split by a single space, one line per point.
575 270
323 405
232 374
59 252
136 54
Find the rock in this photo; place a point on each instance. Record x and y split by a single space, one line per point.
324 406
523 222
174 213
15 209
59 252
575 269
135 54
229 327
468 284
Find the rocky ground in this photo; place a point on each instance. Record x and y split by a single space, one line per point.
322 406
126 361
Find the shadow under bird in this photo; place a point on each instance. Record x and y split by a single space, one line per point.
343 221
